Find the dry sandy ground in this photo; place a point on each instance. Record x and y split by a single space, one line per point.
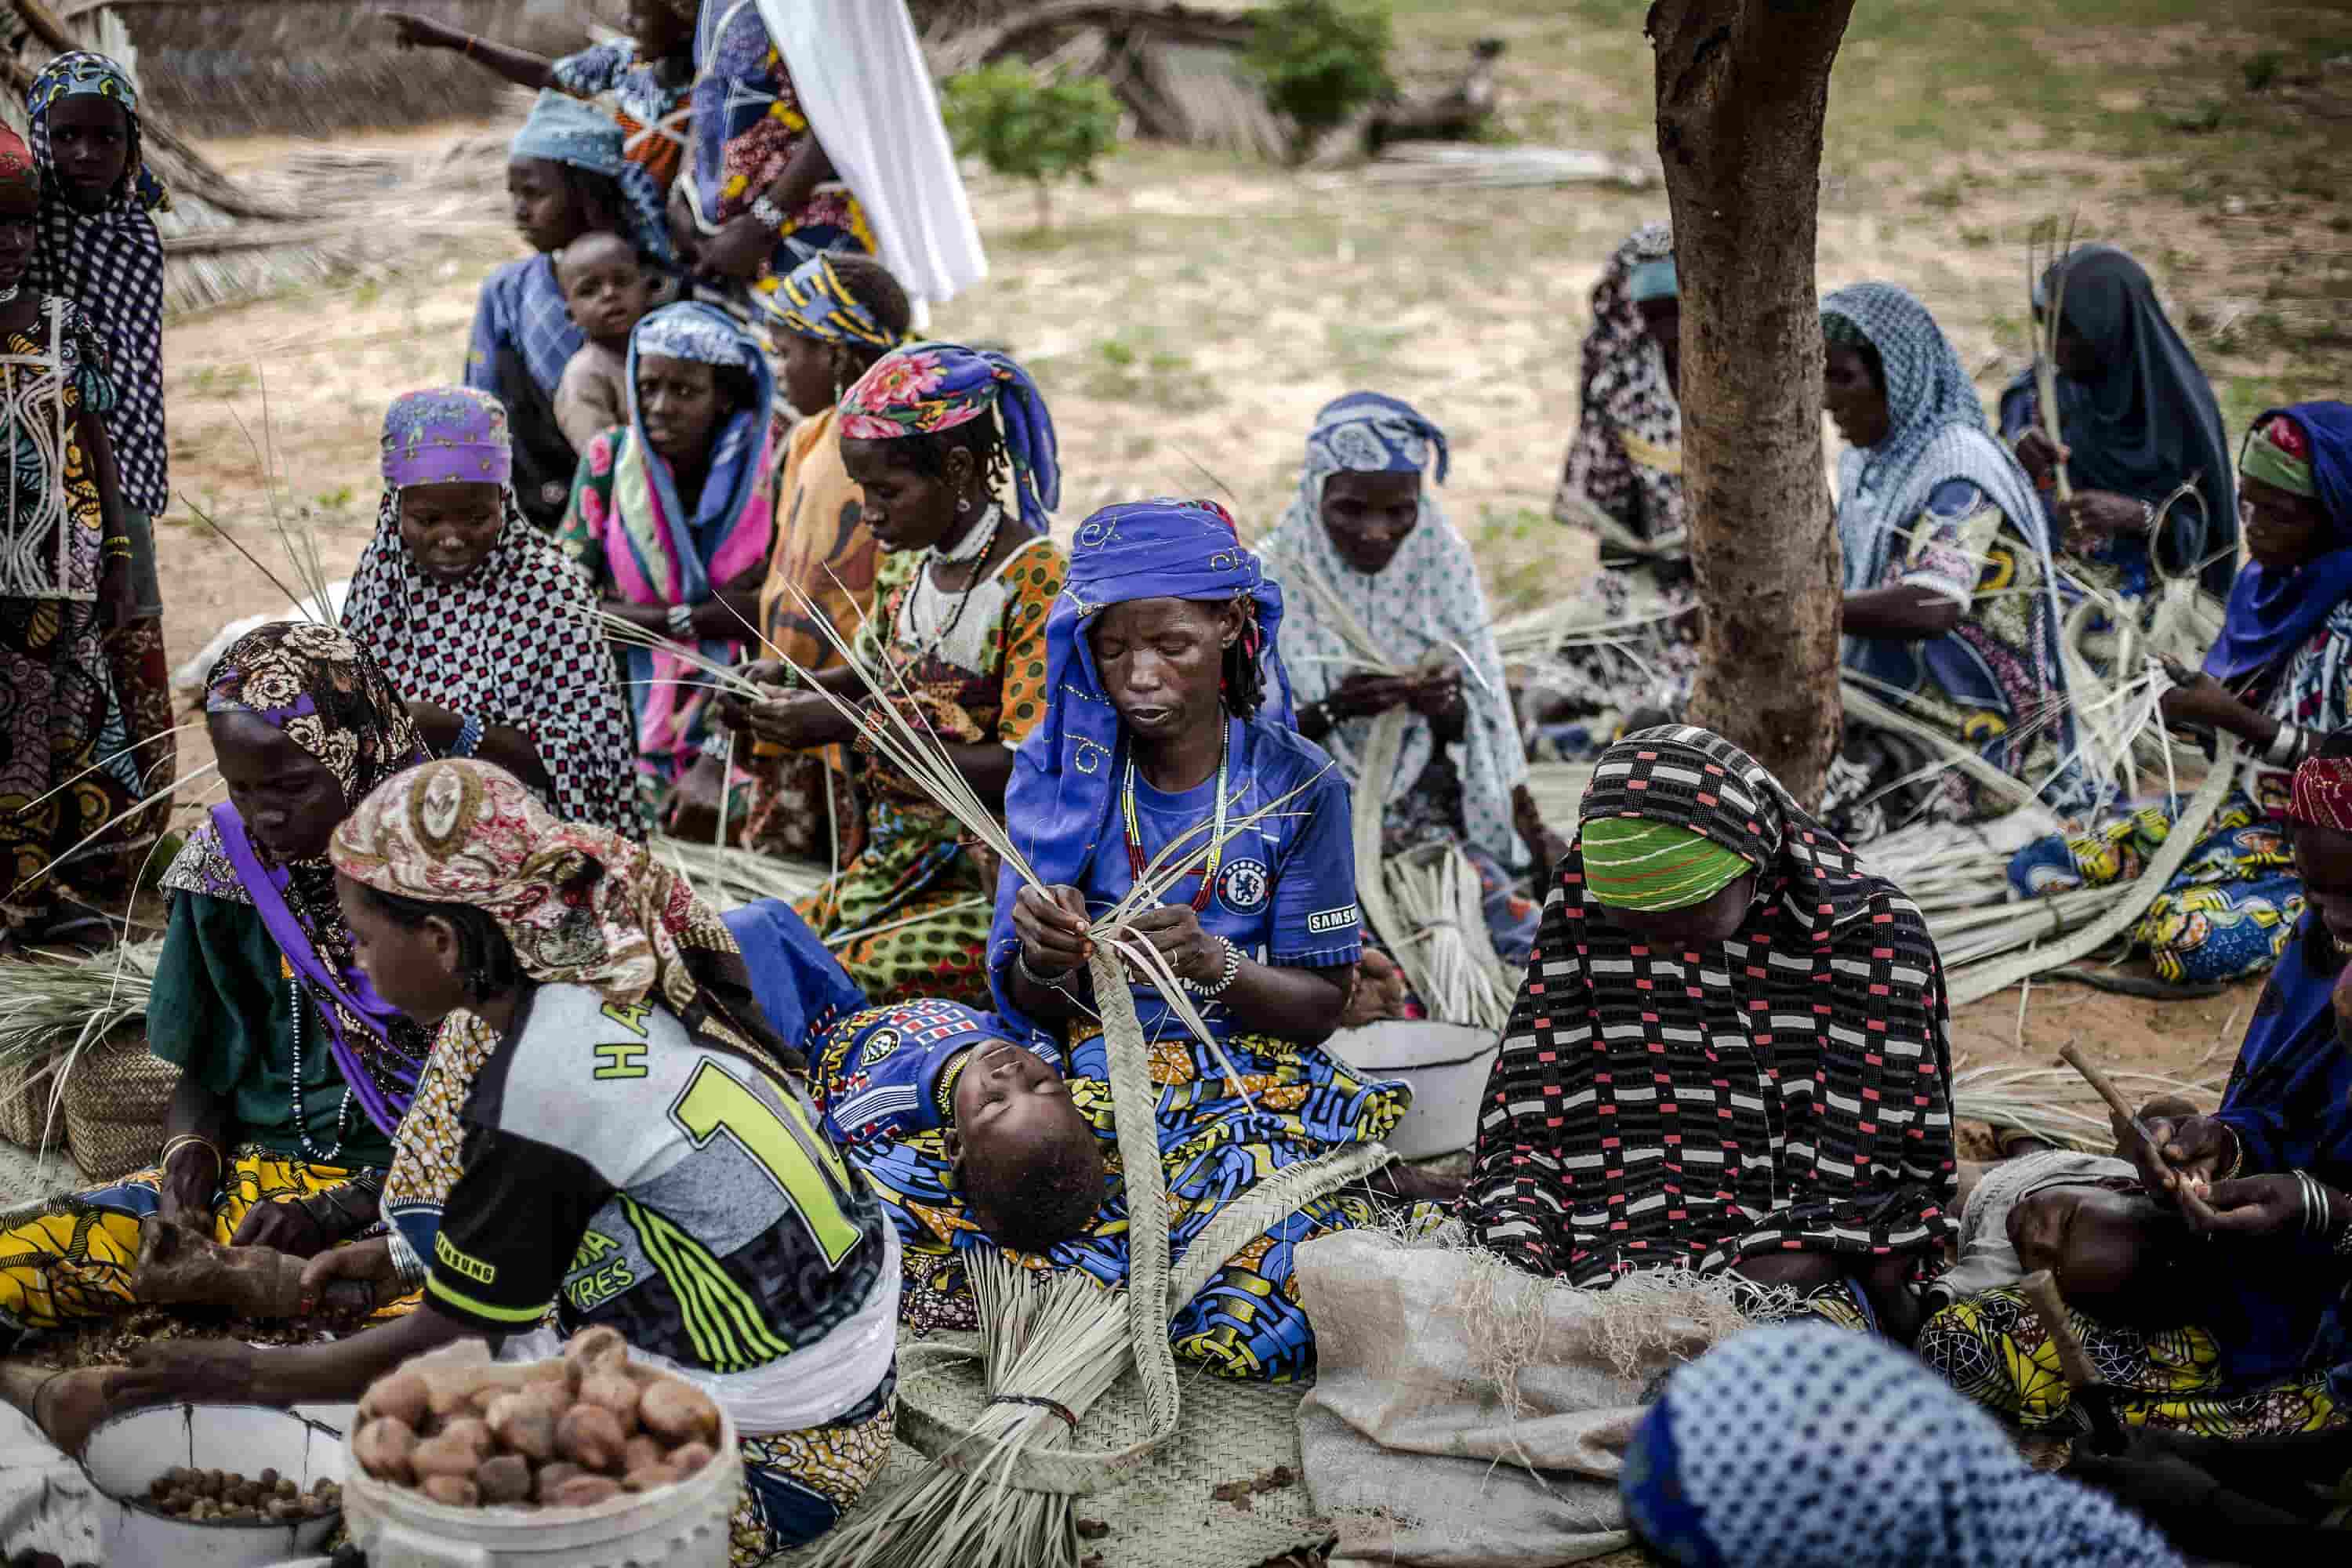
1186 317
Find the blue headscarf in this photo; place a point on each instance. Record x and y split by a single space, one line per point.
706 335
2272 612
1367 433
569 130
1058 806
1800 1445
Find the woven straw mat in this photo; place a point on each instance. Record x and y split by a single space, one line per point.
1163 1517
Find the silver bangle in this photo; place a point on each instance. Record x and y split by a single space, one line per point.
764 207
2315 1204
1050 982
405 1260
681 622
2285 746
1224 982
2148 516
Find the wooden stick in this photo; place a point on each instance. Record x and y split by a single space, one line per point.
2041 1289
2072 1055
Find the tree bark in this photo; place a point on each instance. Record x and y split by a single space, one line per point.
1742 87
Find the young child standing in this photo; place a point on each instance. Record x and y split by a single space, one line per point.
96 244
566 178
645 77
608 290
65 579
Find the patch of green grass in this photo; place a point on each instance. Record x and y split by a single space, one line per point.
1363 350
1132 367
223 380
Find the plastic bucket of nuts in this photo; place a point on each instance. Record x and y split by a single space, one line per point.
216 1484
588 1459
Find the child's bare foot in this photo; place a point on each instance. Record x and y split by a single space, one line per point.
64 1404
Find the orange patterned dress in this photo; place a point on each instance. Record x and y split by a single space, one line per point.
908 917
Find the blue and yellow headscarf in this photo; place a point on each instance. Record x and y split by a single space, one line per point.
83 73
820 305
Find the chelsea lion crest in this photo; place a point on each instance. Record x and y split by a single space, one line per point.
1241 885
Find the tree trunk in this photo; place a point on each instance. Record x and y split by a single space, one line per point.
1742 88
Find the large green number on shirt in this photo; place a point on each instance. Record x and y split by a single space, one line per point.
792 1151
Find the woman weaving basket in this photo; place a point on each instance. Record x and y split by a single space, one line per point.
294 1071
1170 715
1730 1051
1372 563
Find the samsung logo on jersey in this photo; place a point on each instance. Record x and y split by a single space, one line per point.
1342 919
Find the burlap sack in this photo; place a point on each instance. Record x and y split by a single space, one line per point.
1465 1414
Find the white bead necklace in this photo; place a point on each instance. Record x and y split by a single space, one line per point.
303 1122
974 549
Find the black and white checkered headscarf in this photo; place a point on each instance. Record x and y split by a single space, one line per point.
111 263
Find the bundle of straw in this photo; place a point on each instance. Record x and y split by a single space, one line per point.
2054 1104
54 1009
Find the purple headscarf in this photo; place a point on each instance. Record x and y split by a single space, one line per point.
446 435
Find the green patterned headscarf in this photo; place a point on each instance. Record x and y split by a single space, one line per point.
1632 863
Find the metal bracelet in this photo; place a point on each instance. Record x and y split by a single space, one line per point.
1050 982
174 1145
410 1267
680 618
764 207
2284 747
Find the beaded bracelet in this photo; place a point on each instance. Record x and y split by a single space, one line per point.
470 736
1050 982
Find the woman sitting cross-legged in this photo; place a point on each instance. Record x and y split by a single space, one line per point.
294 1071
1730 1052
479 620
1168 717
671 518
2255 1339
733 1241
2146 454
2278 680
933 435
1952 611
1365 542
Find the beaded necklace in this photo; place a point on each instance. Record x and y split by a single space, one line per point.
300 1005
974 549
1137 864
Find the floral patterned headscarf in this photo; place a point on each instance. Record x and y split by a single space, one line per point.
582 905
924 388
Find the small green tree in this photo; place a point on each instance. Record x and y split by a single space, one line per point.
1322 60
1031 130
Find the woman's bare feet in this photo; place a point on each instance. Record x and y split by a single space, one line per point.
64 1404
1412 1185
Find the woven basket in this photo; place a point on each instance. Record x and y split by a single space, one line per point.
115 1099
25 1100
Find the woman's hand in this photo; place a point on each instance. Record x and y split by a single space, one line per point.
367 1263
2252 1205
187 1196
411 31
694 804
1379 992
733 710
799 723
1052 926
282 1226
1439 698
740 247
2100 515
205 1372
685 234
1363 696
2039 457
1175 930
2193 1149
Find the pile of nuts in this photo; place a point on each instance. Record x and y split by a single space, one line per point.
570 1432
229 1498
